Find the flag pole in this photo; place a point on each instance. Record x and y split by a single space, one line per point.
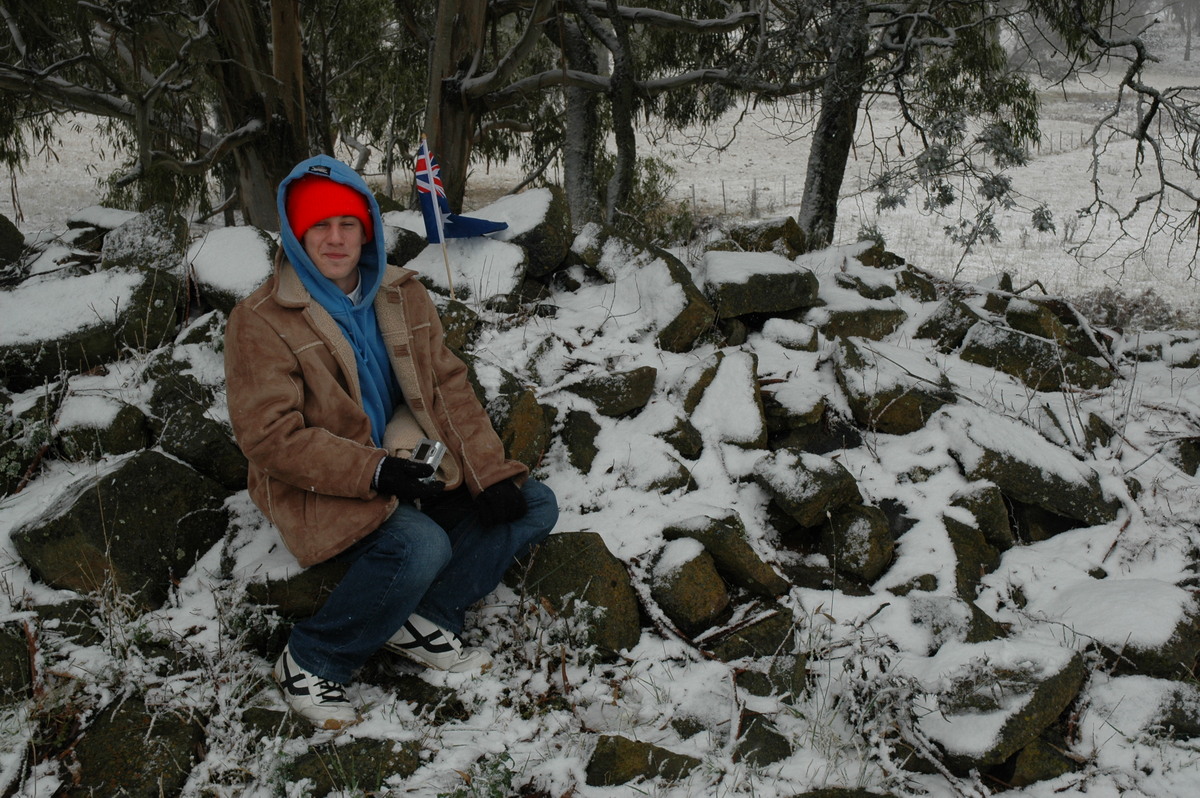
437 212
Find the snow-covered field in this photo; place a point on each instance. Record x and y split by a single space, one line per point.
759 172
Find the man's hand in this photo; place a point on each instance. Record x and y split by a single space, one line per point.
407 479
501 503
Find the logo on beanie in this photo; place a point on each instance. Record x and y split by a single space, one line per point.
320 170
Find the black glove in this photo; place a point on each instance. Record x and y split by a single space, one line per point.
406 479
501 503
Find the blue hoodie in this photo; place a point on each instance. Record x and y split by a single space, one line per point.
380 391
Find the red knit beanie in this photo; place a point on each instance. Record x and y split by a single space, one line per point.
312 198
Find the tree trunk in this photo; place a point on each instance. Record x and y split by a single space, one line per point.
833 137
450 120
581 125
288 62
250 91
623 109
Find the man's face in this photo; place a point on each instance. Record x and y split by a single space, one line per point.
335 245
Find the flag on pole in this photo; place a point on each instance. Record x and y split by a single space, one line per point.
440 223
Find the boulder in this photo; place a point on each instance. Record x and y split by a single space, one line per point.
183 420
97 317
523 426
875 322
684 438
759 742
1040 364
985 502
94 424
858 541
769 633
687 588
695 319
1144 626
1167 708
806 486
952 620
949 324
1041 760
619 760
915 285
782 236
740 283
1035 319
619 393
548 241
135 525
730 381
974 557
578 435
570 568
1025 466
725 538
132 749
867 289
892 389
228 263
1016 690
460 324
12 242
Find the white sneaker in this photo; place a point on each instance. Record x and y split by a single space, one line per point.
318 700
429 644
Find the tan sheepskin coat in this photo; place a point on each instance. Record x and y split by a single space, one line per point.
294 401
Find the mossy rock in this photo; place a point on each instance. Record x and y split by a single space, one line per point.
806 486
132 749
858 541
572 567
875 323
619 760
949 324
1038 363
985 501
360 765
620 393
726 539
689 590
759 743
578 435
142 523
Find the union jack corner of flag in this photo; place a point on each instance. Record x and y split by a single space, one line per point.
427 167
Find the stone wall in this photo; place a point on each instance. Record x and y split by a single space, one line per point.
162 493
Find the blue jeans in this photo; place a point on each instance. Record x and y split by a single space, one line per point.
411 565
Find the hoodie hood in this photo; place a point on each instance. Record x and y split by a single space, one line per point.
378 389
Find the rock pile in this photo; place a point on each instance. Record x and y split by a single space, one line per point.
891 438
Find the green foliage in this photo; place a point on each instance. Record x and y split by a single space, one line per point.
650 213
369 81
491 777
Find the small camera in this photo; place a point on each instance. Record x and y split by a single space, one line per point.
429 451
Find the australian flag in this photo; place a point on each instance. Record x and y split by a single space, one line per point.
440 223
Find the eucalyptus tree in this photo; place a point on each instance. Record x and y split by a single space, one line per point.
239 89
569 77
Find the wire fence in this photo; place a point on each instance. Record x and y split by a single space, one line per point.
766 195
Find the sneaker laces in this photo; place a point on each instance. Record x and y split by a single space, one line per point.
331 692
